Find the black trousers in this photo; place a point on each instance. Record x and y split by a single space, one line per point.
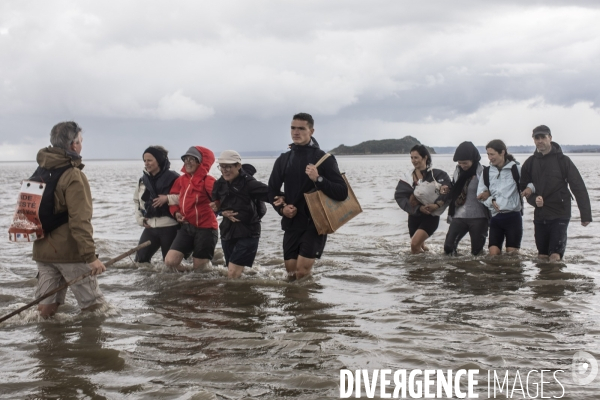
459 227
160 238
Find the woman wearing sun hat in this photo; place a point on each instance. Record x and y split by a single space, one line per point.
237 195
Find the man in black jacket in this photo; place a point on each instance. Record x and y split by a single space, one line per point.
545 180
301 242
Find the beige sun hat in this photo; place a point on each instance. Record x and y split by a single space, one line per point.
229 157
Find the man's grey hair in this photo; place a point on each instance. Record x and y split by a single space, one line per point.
64 134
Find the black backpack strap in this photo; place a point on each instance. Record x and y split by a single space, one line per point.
49 220
206 190
486 177
38 175
515 174
517 178
259 206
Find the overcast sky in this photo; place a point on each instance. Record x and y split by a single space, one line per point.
230 74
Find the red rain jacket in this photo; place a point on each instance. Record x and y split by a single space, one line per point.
195 193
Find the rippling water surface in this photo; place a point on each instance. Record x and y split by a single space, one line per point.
369 305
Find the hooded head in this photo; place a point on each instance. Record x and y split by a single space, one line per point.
158 160
194 152
249 169
202 160
466 151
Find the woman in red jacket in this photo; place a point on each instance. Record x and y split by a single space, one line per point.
198 233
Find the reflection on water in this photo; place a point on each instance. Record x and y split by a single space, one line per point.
554 281
69 356
369 305
485 277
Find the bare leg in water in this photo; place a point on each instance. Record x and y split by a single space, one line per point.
417 243
299 268
174 258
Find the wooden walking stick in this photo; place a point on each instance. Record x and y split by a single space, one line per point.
66 285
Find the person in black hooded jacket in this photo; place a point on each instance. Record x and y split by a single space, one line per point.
301 242
151 200
545 180
235 195
466 214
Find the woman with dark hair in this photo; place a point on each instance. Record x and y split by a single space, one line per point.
151 201
466 214
419 195
499 192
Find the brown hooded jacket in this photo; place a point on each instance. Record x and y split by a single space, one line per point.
72 242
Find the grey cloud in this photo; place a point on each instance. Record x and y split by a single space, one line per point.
137 69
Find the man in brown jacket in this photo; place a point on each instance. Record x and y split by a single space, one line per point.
67 250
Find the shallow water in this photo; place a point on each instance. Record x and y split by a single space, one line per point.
369 305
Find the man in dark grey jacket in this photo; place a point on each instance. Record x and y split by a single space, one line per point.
546 177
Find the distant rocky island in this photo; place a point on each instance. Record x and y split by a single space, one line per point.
385 146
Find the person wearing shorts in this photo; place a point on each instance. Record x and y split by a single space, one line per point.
54 275
306 244
152 204
551 237
505 226
295 170
421 223
503 199
426 223
198 233
237 195
67 249
200 243
547 181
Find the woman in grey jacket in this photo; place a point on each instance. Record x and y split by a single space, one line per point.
466 214
502 197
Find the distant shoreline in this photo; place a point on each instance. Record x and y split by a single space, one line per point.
567 149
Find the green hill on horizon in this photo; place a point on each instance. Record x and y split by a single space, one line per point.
384 146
